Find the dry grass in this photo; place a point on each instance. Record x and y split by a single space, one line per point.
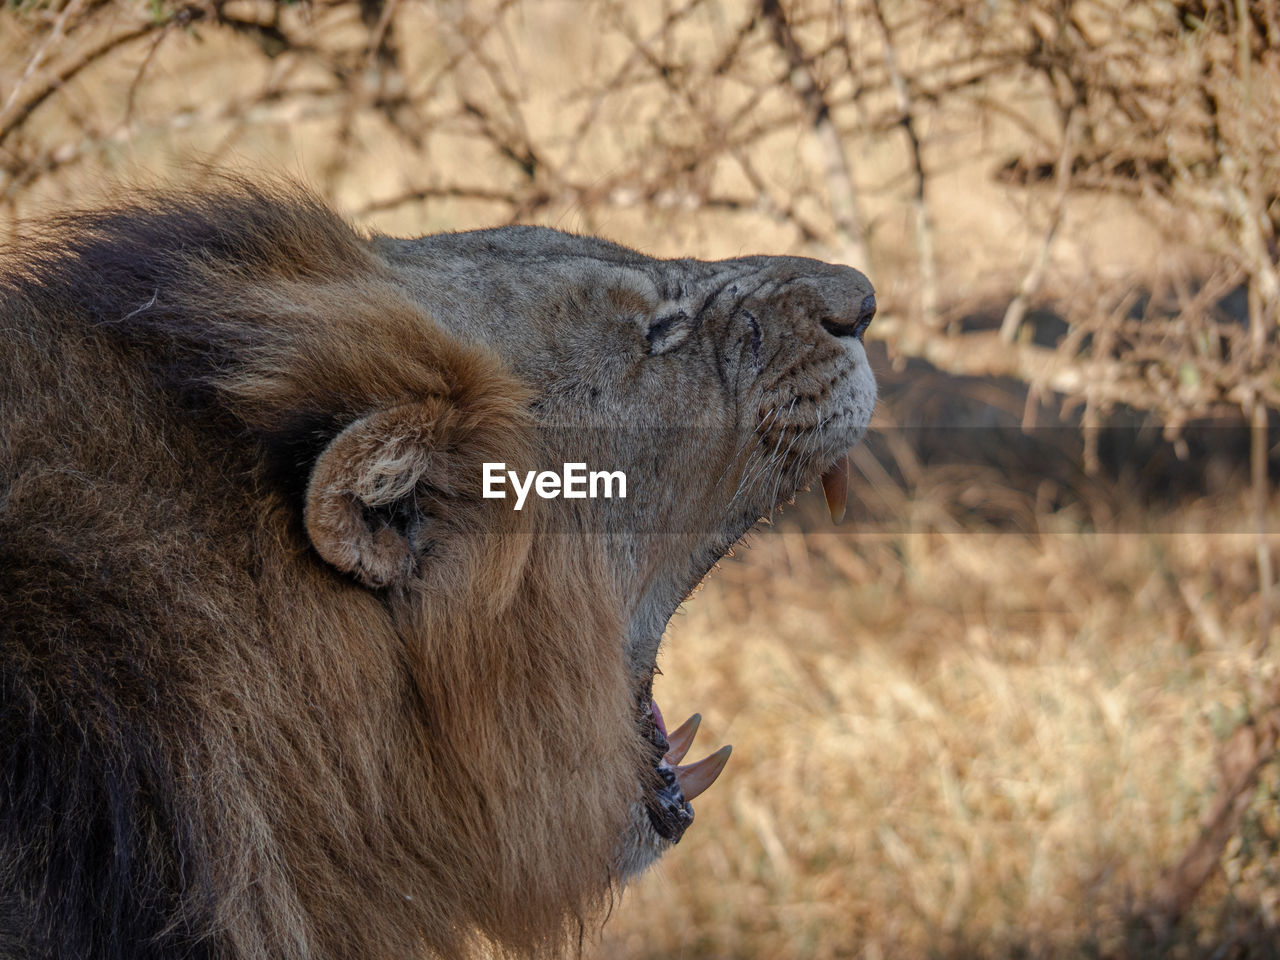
958 745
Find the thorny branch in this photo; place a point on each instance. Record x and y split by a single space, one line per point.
842 194
908 117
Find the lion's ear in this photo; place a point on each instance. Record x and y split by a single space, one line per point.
373 502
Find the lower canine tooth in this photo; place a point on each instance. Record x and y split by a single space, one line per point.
681 739
696 777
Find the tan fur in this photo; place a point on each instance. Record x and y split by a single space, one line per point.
336 703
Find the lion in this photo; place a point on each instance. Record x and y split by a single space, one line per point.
277 679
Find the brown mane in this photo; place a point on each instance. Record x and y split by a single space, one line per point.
212 742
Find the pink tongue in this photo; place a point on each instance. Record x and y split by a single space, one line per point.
657 717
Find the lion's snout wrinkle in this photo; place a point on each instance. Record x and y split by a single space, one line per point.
276 679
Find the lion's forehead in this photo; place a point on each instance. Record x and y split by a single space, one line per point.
555 254
523 242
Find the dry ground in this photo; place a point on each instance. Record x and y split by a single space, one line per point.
960 745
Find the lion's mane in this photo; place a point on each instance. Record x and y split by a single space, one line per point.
212 742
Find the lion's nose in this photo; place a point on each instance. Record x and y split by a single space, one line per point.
855 325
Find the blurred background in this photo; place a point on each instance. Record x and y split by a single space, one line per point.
1024 702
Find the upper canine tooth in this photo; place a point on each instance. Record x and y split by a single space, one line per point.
696 777
835 485
681 739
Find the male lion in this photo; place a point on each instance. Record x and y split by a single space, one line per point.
276 679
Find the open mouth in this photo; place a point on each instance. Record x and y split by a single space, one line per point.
674 784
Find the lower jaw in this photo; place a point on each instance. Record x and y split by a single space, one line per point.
674 784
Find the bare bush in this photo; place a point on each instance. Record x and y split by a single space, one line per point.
760 112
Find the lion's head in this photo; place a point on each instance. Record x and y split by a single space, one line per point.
369 708
718 388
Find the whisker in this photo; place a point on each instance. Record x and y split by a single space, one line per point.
773 412
762 468
811 448
781 463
